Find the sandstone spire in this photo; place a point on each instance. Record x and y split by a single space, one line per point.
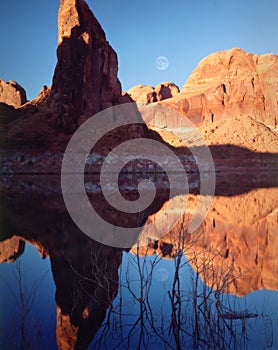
85 79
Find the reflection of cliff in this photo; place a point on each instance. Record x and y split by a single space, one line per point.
86 285
237 241
234 251
85 272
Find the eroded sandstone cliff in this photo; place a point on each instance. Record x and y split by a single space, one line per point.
229 83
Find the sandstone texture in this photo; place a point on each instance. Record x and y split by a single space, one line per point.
142 94
243 131
229 83
148 94
85 79
12 93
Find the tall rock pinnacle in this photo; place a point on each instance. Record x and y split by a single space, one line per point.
85 79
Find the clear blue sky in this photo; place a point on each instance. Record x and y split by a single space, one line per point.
139 31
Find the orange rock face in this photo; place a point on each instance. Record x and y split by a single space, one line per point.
229 83
12 93
243 131
66 332
142 94
85 79
148 94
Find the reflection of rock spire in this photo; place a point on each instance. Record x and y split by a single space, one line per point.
11 249
85 273
86 284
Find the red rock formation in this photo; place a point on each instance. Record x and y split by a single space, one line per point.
66 332
12 93
148 94
85 79
166 90
243 131
85 82
142 94
228 83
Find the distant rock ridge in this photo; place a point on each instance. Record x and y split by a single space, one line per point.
148 94
12 93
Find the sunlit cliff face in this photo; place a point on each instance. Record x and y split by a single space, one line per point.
229 95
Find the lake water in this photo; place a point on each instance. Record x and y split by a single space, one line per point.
215 288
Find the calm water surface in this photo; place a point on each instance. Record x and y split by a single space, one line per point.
213 289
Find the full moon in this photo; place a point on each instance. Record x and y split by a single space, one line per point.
162 63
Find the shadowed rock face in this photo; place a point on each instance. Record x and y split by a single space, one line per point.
228 83
12 93
85 79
